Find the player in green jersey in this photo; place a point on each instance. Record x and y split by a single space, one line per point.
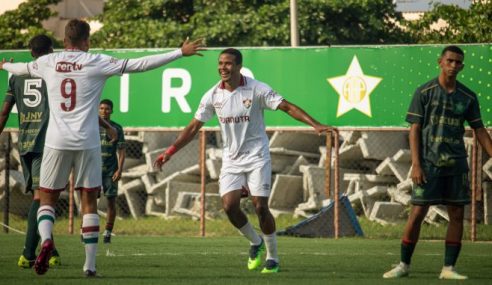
113 157
437 114
29 95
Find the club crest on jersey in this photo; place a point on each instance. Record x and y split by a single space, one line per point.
247 103
64 66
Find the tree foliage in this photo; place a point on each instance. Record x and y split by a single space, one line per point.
473 25
162 23
18 26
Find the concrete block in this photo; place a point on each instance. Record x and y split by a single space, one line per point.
173 188
387 212
212 188
188 203
214 153
135 172
136 197
282 163
370 178
350 137
20 202
403 155
405 186
213 167
487 168
487 202
286 193
281 150
184 158
149 181
402 197
297 141
436 215
294 169
379 145
156 140
152 209
390 167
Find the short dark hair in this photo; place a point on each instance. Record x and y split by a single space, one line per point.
454 49
77 31
40 45
236 53
107 102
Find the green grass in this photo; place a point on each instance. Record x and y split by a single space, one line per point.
221 227
222 260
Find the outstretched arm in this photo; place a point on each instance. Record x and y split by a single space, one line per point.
300 115
14 68
183 139
4 116
484 139
153 61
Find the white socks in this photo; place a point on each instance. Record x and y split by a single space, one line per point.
46 219
90 233
271 246
248 232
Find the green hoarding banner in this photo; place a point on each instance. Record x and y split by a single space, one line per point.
369 86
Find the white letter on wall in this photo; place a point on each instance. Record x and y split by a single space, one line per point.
124 87
177 93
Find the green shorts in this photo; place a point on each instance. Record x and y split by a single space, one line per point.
445 190
31 167
110 188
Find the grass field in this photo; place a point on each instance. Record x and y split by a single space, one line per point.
222 260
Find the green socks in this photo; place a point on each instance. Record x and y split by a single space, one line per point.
407 248
451 252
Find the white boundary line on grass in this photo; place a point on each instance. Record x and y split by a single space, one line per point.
13 229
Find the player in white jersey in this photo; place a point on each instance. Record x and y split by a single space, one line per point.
239 102
75 79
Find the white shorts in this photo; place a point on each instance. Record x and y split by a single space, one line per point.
257 181
57 164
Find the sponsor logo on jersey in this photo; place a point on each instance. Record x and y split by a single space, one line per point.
247 103
64 66
234 120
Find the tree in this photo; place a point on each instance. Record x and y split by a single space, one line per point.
18 26
473 25
163 23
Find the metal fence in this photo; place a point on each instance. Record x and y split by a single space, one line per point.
329 180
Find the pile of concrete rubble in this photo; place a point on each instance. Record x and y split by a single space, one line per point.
374 169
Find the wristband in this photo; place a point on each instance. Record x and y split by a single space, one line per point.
171 150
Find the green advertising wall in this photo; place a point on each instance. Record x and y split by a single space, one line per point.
367 86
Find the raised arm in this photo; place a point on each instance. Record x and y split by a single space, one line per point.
183 139
300 115
484 139
154 61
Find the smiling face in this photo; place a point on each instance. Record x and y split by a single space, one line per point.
105 111
228 68
451 63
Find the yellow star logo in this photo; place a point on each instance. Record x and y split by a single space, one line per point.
354 89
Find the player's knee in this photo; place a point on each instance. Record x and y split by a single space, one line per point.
231 208
262 210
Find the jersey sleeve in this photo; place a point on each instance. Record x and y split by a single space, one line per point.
269 99
472 115
206 109
109 66
19 68
415 114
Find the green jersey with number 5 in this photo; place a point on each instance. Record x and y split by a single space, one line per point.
30 96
